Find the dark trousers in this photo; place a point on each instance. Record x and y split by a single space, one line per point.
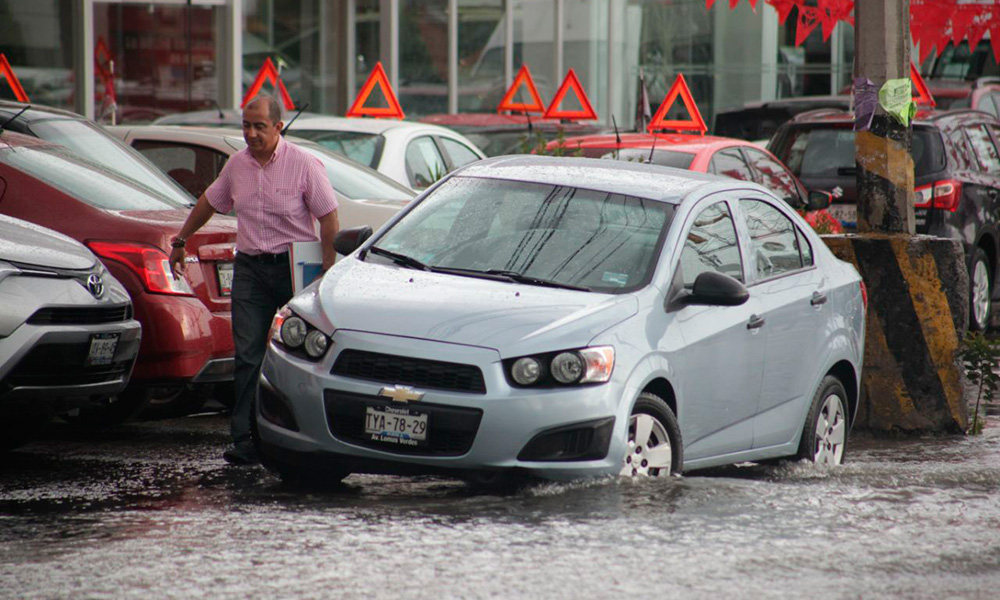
260 287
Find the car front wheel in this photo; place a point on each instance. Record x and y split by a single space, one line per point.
824 435
654 446
980 292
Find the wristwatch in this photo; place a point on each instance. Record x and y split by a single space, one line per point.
178 242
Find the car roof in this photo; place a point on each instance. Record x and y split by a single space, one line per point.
676 141
940 118
642 180
374 126
487 122
218 117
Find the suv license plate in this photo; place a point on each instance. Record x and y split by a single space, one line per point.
102 349
396 425
225 272
847 214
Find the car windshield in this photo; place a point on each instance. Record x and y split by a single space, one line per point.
85 139
556 234
365 148
829 153
956 62
355 181
667 158
497 143
92 183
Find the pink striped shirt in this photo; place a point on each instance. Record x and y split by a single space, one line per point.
275 204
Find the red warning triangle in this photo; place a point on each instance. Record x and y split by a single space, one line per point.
7 71
523 78
269 73
923 95
554 112
378 76
695 123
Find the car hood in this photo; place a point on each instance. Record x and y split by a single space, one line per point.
511 318
29 244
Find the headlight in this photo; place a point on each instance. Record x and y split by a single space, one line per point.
526 371
567 367
298 336
293 332
316 343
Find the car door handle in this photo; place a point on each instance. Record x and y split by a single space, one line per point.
818 299
755 322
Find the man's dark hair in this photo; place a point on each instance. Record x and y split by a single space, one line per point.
273 106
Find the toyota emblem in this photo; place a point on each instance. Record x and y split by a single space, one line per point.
96 285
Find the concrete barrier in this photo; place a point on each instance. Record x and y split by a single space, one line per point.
918 312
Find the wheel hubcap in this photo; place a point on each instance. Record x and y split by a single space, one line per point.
649 453
831 431
980 293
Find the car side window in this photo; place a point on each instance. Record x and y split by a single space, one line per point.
193 167
982 145
459 153
424 163
775 177
960 151
773 238
731 164
711 245
805 248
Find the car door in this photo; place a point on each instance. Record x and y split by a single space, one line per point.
424 163
721 360
792 293
730 162
192 166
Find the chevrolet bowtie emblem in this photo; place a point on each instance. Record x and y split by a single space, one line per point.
400 393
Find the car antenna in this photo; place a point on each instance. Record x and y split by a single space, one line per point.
653 148
222 117
8 121
618 137
289 124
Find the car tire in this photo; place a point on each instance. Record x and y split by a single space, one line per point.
176 401
980 291
112 411
653 445
291 475
824 435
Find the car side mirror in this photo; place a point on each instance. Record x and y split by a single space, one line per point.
712 288
819 200
348 240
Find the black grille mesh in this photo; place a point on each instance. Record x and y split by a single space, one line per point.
415 372
81 315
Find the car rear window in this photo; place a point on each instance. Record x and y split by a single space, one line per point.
356 181
817 153
667 158
365 148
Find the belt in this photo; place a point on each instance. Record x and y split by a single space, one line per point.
271 259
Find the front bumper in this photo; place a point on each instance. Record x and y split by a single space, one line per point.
307 416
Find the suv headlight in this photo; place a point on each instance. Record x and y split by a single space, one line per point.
562 368
297 336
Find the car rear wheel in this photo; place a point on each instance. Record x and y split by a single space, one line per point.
980 292
654 446
824 435
176 401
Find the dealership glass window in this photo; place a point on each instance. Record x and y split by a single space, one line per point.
367 44
585 50
33 37
534 43
481 84
423 57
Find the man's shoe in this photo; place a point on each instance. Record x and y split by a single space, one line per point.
241 456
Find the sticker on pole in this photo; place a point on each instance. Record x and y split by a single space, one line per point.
378 77
523 79
7 72
554 111
923 95
694 123
268 72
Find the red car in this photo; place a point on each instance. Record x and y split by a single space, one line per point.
187 340
734 158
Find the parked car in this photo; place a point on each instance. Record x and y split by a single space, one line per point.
67 335
757 121
187 338
219 117
956 178
89 139
954 76
734 158
194 156
567 317
497 134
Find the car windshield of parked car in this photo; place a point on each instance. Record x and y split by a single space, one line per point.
365 148
84 139
667 158
829 153
90 182
355 181
558 234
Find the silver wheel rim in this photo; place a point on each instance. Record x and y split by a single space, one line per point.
649 453
980 293
831 432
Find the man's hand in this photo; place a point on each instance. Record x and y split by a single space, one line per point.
177 265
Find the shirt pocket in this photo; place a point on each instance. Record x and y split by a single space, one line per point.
286 203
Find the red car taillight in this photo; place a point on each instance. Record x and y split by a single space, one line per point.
150 264
945 195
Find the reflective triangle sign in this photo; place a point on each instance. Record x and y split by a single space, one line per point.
586 112
695 123
6 71
269 73
378 77
922 95
523 78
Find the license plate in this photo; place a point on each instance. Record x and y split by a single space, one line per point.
920 216
845 213
225 271
396 425
102 349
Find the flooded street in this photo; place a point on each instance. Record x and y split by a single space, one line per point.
151 510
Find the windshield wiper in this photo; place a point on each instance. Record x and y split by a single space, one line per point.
509 276
399 259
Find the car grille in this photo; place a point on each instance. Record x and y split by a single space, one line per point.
81 316
450 429
54 365
416 372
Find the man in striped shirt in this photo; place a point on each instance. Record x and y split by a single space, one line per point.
277 191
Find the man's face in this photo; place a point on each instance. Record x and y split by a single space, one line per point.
260 133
